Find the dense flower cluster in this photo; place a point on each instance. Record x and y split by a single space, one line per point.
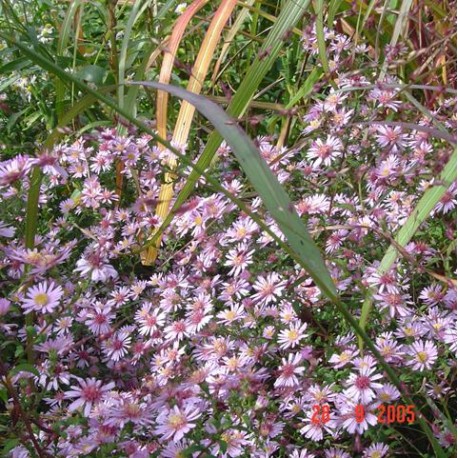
226 345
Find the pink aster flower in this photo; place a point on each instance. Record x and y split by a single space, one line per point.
317 395
149 319
268 288
14 169
388 393
130 410
119 296
290 338
340 360
177 330
386 98
117 346
241 230
324 152
288 371
89 393
377 450
98 320
43 298
49 163
423 355
235 289
448 200
395 302
361 386
383 282
234 313
432 295
355 417
176 422
389 168
392 138
389 348
93 266
239 259
316 428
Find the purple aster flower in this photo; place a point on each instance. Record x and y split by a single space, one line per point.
361 386
43 298
376 450
424 355
89 393
14 169
176 422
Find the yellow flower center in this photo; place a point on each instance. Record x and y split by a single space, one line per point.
226 437
232 363
344 357
408 331
230 315
296 408
41 299
176 421
269 332
422 356
241 232
287 316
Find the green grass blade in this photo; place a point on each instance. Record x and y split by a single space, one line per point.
306 88
62 43
334 6
421 212
319 28
133 18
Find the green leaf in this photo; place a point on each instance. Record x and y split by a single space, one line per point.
306 88
92 74
222 446
24 367
9 445
3 394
